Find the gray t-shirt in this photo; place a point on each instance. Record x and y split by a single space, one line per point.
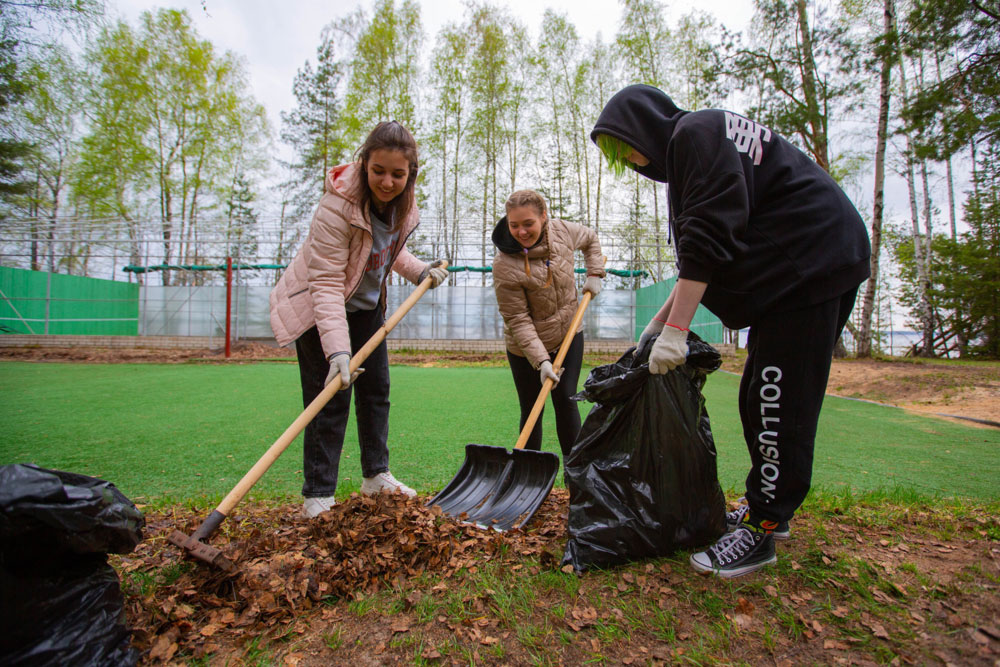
383 246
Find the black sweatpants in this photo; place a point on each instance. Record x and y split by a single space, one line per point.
529 384
781 393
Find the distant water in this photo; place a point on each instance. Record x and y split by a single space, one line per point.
893 343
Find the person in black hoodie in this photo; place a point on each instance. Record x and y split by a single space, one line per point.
765 239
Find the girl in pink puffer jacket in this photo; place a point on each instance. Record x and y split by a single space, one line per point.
331 300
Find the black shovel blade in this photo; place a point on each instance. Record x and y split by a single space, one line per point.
499 488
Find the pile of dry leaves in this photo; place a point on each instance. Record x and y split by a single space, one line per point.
287 563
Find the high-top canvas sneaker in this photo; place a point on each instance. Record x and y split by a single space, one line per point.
745 550
736 517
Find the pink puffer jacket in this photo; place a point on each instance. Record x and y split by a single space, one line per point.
330 264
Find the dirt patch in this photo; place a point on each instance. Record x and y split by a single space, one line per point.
389 581
936 388
244 351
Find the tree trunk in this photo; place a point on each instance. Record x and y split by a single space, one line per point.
816 122
864 347
923 282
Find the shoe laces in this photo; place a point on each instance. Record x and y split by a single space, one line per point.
733 545
738 514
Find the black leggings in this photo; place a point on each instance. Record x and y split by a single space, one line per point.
529 384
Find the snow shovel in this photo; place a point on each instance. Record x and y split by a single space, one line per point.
194 543
501 489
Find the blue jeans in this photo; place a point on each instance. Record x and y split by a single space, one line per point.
324 435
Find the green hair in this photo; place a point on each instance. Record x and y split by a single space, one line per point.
617 153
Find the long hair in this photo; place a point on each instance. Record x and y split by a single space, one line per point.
389 135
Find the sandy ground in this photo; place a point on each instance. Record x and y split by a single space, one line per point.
962 389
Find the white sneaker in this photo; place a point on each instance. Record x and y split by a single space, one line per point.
384 482
315 506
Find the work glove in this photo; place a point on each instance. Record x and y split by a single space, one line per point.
652 329
340 364
438 273
669 350
545 372
593 285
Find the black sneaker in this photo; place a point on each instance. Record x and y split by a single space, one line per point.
745 550
737 516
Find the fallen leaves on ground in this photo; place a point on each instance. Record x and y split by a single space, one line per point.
286 563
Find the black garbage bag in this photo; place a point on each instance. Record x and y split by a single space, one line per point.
61 601
642 474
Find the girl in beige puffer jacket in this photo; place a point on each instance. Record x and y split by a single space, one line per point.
533 276
331 300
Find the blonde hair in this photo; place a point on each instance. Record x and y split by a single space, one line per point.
526 198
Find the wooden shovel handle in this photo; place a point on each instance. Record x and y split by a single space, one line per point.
307 415
536 409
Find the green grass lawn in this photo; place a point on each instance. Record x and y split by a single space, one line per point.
166 433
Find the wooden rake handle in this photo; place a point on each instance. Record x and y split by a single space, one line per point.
307 415
536 409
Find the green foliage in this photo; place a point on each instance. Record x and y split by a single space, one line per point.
802 66
642 39
963 105
965 272
171 126
384 69
12 150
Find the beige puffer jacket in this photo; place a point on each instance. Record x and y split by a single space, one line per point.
536 289
330 264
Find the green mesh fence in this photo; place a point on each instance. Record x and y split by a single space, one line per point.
649 300
38 302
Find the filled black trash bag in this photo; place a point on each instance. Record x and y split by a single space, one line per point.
61 601
642 474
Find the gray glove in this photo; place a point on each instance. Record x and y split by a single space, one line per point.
340 364
669 350
593 285
438 273
654 327
545 372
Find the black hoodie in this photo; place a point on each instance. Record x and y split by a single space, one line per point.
752 215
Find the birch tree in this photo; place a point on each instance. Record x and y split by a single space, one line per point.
886 49
642 40
450 81
383 79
